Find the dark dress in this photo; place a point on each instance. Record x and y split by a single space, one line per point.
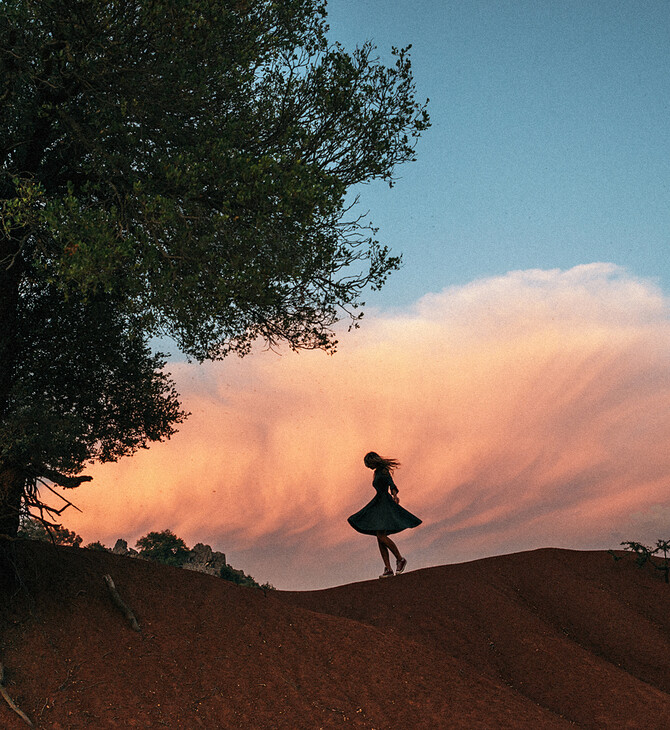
382 513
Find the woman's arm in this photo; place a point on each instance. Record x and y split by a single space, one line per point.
394 490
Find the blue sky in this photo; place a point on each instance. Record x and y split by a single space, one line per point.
550 137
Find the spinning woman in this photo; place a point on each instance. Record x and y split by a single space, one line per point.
383 515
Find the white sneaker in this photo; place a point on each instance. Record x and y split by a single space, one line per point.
400 565
388 573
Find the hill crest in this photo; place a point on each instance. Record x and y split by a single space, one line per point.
543 639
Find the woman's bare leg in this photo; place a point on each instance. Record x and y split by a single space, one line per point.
385 553
393 548
386 544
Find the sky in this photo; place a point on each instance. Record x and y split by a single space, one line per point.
550 143
519 363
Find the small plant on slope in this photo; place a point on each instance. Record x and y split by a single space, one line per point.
646 555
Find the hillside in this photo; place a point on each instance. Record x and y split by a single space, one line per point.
546 639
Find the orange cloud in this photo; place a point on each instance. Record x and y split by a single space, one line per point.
528 410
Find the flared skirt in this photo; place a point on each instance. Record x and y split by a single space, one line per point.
382 514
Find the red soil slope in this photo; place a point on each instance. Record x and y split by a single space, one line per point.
548 639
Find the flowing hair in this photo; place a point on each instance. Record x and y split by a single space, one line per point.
372 458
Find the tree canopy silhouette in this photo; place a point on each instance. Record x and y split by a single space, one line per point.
163 547
181 168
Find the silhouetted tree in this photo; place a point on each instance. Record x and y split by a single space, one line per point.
163 547
647 555
177 167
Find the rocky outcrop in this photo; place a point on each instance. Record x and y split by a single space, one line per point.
121 548
203 559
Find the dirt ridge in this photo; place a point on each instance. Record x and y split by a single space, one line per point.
543 639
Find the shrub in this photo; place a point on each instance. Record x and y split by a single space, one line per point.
97 546
240 578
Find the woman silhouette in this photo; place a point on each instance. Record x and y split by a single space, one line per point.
383 515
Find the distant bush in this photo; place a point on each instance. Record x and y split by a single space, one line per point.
652 555
97 546
31 528
240 578
163 547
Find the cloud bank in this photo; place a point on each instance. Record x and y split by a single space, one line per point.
527 410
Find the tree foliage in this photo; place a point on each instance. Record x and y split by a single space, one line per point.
197 154
33 529
163 547
182 168
85 385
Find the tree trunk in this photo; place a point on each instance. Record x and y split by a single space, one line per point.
12 484
10 277
12 477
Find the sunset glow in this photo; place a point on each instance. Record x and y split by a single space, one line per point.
528 410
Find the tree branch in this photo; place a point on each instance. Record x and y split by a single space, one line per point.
118 602
9 700
61 479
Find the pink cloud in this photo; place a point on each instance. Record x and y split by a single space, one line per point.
528 410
